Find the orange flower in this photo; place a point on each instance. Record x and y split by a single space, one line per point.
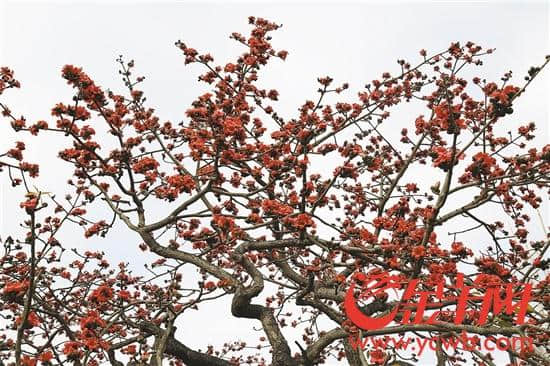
46 357
92 321
302 221
377 356
130 350
144 165
418 251
102 294
274 207
72 350
124 295
28 361
29 205
209 285
13 290
32 320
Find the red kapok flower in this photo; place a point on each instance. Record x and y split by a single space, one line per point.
46 357
72 350
418 251
32 320
29 205
145 164
377 356
14 289
28 361
92 321
302 221
102 294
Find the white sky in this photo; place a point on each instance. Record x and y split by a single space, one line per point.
352 42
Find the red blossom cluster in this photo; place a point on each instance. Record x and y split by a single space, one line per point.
175 185
444 157
275 207
95 228
144 165
87 90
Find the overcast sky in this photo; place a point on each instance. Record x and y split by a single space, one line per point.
352 42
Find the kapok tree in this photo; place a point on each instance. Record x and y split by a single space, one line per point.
279 215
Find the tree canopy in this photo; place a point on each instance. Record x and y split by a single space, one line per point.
279 215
